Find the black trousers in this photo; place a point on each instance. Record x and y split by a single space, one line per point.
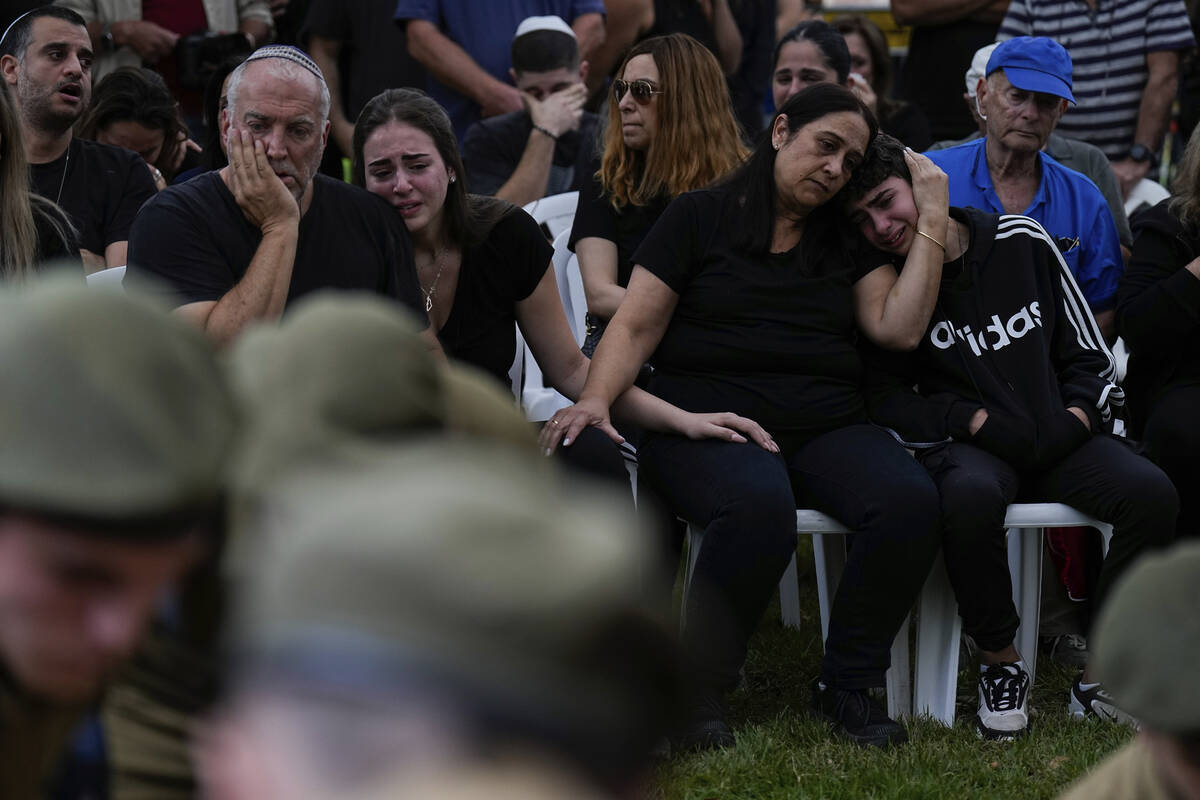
1104 478
1172 439
745 499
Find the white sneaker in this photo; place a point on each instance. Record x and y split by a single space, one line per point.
1096 703
1003 695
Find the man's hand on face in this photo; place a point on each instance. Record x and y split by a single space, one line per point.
260 193
559 112
150 41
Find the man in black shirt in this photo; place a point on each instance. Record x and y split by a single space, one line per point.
238 244
548 147
46 60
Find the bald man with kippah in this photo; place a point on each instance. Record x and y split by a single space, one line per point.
237 245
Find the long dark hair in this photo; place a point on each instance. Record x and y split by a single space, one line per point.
831 44
754 181
136 94
469 218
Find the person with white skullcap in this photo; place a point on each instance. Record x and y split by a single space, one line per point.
236 245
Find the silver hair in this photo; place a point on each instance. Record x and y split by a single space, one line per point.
283 67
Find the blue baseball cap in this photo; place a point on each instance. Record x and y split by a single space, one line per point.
1035 64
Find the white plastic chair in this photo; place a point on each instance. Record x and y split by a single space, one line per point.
829 555
539 401
107 278
516 372
556 212
939 626
1145 193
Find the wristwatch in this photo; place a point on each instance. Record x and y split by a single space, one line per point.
106 39
1141 153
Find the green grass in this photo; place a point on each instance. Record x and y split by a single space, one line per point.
782 752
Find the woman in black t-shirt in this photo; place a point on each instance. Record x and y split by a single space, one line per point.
33 229
483 265
746 299
670 130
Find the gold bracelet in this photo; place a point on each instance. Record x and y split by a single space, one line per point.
930 238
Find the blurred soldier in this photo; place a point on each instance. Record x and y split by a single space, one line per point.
116 426
340 378
450 622
1146 644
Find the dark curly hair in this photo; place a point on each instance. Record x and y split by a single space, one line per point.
884 158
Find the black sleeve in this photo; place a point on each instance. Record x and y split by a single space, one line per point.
594 215
916 421
487 163
328 19
169 244
525 251
136 189
1158 301
672 249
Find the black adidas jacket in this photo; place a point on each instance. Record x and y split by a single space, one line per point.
1011 333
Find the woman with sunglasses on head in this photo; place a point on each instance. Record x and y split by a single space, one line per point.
670 129
747 297
852 53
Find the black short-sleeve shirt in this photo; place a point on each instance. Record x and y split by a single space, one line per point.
102 190
595 216
494 276
194 238
769 337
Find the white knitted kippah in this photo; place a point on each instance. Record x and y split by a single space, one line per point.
547 23
287 53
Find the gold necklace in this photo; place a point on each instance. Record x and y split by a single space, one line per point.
439 260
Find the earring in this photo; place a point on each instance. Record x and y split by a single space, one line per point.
452 178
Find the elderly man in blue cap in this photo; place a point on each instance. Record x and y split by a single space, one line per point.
1024 93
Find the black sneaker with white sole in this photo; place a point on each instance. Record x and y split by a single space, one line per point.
1095 703
1003 701
853 713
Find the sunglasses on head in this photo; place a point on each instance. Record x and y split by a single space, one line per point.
641 89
